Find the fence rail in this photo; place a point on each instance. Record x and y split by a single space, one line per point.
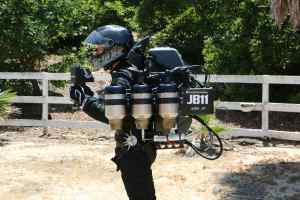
264 106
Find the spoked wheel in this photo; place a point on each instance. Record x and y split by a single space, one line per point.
205 142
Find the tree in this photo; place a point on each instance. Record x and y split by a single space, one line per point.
281 9
185 34
33 29
227 37
247 41
251 43
153 16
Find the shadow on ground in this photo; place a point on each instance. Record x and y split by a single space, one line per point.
3 142
264 181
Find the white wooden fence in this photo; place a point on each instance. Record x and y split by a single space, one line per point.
264 106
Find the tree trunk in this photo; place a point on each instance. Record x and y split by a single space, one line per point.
281 9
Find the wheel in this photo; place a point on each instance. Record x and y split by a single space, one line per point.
203 140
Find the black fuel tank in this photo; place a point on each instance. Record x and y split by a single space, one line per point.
163 58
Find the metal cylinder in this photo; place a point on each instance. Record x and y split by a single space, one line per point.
168 104
115 106
142 105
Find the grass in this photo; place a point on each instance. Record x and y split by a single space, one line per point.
5 98
212 122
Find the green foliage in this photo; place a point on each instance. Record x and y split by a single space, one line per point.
5 97
227 37
78 57
184 34
219 128
156 15
211 120
294 98
33 29
251 43
207 118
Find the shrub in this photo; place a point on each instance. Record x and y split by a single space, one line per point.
5 97
32 29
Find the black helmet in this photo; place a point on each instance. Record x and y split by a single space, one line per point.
108 44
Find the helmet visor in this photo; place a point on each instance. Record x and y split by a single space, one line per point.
104 57
95 38
102 51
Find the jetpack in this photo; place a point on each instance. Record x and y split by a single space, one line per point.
166 102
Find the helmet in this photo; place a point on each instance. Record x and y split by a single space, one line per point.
108 44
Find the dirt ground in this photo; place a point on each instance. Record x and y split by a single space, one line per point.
75 165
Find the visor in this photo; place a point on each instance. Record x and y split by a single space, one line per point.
96 38
101 50
107 57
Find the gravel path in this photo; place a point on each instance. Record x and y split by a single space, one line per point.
75 164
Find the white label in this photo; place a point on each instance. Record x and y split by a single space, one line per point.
198 99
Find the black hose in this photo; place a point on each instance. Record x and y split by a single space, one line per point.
200 151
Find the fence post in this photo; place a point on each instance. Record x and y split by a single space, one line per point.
45 112
265 101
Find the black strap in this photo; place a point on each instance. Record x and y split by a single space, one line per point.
115 102
142 101
168 100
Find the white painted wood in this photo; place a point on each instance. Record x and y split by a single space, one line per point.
22 122
241 132
67 76
45 96
59 76
258 79
22 75
293 80
228 105
263 106
60 100
53 123
277 107
284 135
283 107
28 99
234 79
258 133
76 124
223 105
50 76
41 99
265 101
